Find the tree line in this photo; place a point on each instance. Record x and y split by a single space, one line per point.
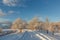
36 24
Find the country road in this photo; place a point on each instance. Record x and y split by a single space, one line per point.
25 36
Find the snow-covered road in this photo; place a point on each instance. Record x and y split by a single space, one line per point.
25 36
29 36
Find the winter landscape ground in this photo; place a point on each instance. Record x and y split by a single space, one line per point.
30 35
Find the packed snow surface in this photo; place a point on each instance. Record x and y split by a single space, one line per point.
30 35
21 36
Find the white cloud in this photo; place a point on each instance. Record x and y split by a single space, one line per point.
10 12
3 20
20 3
2 13
11 2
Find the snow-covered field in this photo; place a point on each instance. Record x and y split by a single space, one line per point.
30 35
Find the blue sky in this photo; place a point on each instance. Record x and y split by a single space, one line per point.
27 9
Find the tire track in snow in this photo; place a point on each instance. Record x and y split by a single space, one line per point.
41 37
48 37
31 36
44 36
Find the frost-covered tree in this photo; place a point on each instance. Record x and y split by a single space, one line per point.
33 23
41 25
18 24
47 24
51 28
